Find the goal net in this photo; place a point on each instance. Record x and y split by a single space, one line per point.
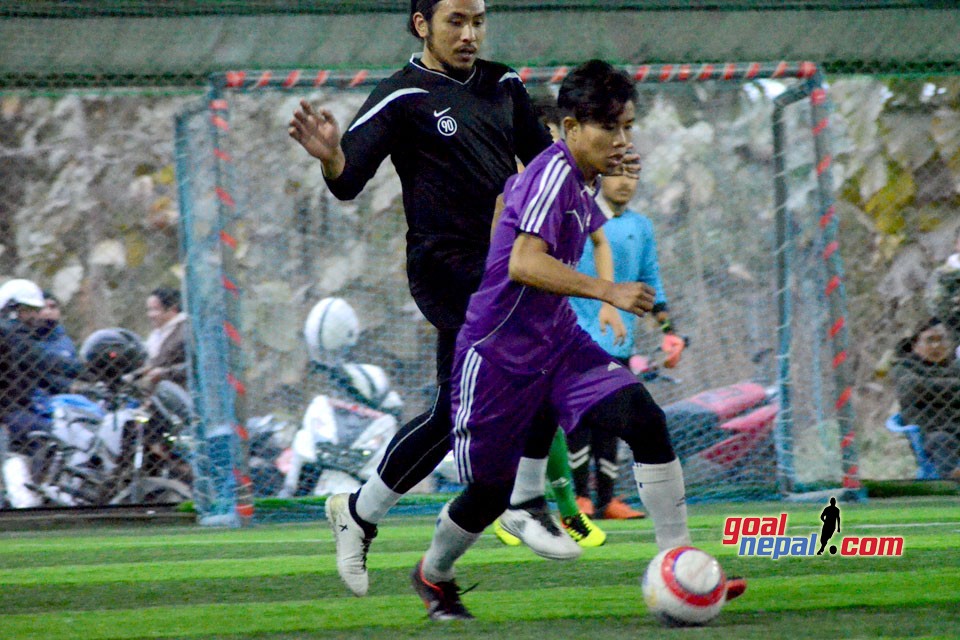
736 180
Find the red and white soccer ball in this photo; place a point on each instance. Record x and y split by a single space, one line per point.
684 587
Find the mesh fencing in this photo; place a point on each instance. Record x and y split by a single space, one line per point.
281 243
99 206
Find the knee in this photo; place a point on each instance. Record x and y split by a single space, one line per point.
633 415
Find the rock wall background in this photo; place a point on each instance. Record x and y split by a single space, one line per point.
88 208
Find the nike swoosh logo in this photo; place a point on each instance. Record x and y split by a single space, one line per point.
437 114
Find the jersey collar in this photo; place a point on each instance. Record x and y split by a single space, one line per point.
418 64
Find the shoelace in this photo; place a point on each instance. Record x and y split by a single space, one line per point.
367 540
366 550
543 517
450 595
577 524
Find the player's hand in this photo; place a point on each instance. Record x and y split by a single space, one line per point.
317 131
609 317
630 166
635 297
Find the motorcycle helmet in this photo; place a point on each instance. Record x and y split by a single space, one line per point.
173 403
331 325
371 385
19 291
109 354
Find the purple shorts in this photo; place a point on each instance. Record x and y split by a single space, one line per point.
493 409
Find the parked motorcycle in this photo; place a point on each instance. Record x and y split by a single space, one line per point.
342 439
114 443
722 434
346 429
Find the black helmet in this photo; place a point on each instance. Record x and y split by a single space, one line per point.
111 353
173 403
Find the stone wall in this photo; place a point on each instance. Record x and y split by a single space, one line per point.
88 208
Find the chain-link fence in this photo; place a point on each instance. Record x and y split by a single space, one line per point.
94 199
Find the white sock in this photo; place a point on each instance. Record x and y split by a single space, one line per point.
375 499
450 541
530 482
663 495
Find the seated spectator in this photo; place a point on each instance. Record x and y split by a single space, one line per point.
927 379
23 361
166 344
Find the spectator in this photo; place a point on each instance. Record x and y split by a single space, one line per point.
53 338
927 380
944 292
23 361
634 248
166 344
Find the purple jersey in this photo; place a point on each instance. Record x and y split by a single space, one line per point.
521 328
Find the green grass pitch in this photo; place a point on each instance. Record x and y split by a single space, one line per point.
280 581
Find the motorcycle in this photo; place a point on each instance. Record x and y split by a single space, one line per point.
15 477
113 443
343 435
720 435
111 446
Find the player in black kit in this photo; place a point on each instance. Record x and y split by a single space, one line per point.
453 125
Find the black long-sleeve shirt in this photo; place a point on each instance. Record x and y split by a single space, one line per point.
453 144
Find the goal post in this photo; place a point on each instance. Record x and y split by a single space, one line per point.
736 180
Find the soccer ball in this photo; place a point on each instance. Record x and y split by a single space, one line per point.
684 587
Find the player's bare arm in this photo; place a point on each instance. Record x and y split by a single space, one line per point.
317 131
603 262
532 265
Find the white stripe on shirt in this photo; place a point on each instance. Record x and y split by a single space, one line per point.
545 208
399 93
550 182
541 189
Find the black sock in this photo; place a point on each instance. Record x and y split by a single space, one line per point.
369 530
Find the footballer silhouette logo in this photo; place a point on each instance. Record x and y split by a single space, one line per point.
830 517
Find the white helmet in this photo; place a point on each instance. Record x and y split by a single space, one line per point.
372 384
20 291
331 325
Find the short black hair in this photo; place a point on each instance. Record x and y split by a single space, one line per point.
595 92
168 297
544 104
420 6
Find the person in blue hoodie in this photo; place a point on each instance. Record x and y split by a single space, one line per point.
634 248
53 338
24 363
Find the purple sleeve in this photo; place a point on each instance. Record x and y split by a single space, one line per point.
543 197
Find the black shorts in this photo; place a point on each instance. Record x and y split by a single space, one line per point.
442 279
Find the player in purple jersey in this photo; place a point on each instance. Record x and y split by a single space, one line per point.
521 351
